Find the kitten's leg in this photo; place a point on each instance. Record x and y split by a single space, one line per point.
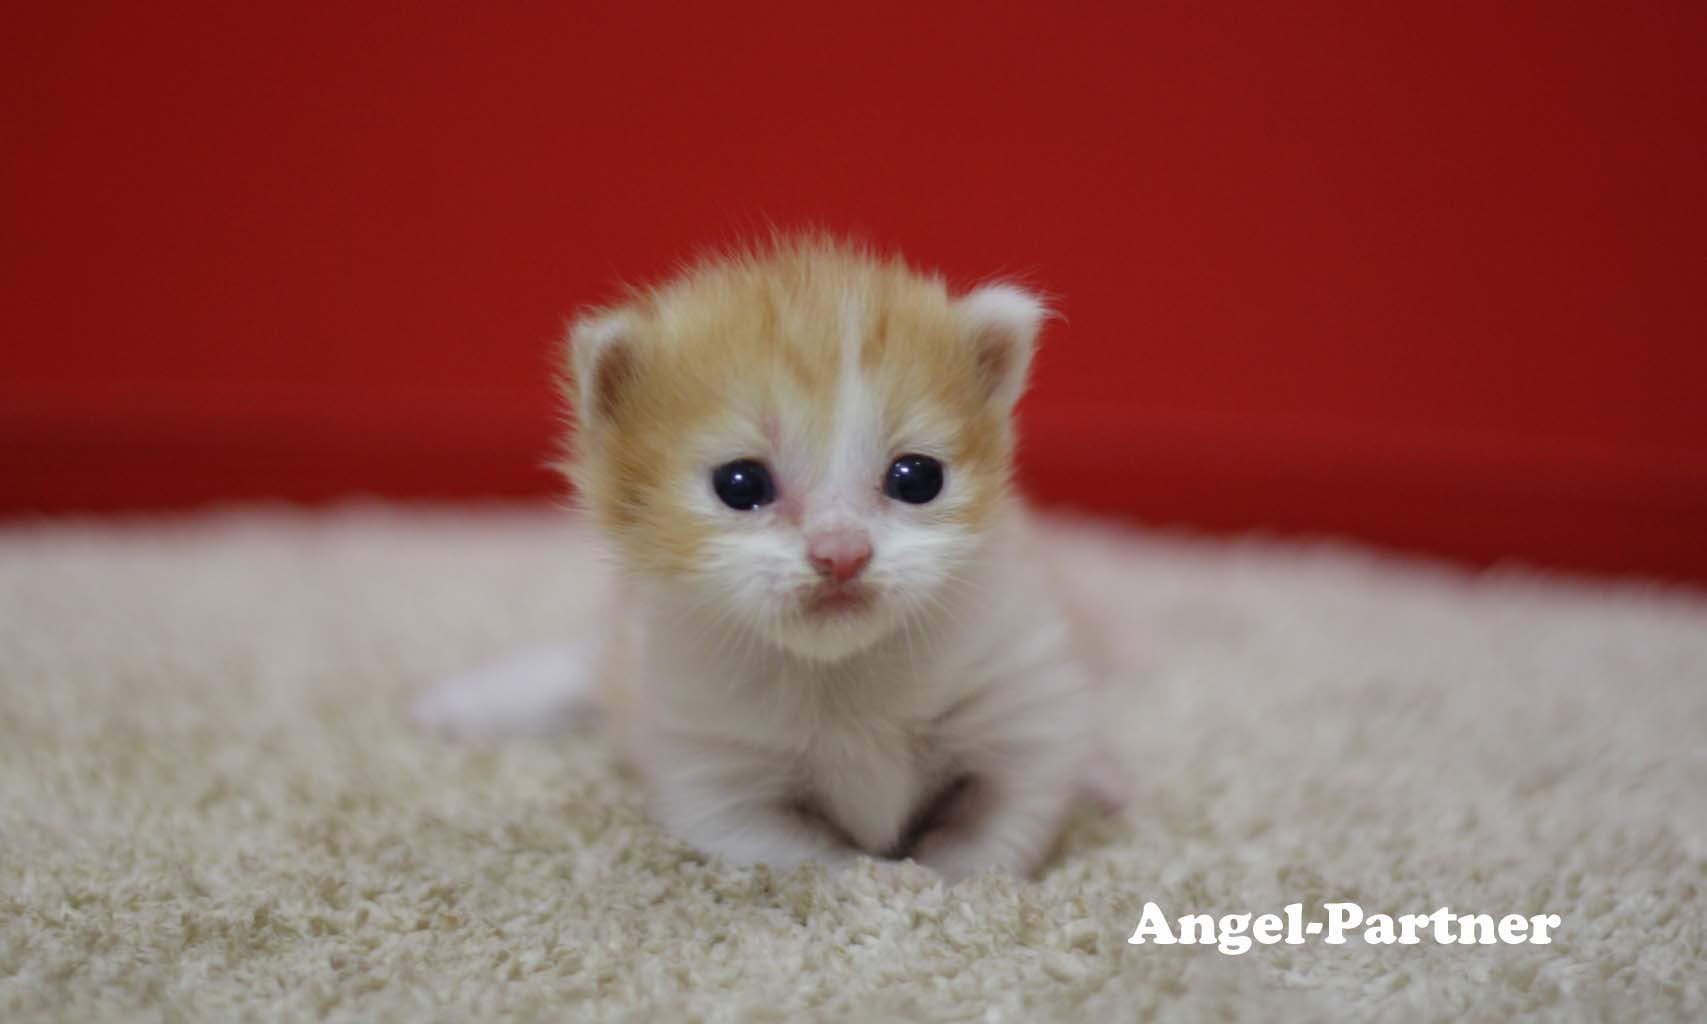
1006 817
782 838
1105 782
535 693
749 829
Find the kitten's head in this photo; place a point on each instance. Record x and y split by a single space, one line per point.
809 443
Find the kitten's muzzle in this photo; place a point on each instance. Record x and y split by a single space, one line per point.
837 599
839 554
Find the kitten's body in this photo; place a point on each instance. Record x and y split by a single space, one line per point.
836 670
767 756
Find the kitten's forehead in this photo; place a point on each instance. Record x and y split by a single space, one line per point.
831 350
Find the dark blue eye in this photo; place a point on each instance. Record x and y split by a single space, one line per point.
744 484
914 479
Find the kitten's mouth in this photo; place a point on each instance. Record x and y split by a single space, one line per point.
831 601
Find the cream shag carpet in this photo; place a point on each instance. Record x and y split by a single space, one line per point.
212 807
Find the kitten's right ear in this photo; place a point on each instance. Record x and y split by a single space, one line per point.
602 363
1004 320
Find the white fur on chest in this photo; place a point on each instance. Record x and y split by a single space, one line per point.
858 744
865 743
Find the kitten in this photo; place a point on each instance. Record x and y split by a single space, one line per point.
833 636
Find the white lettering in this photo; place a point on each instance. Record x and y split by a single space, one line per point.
1514 928
1152 927
1197 929
1233 938
1476 928
1237 934
1341 917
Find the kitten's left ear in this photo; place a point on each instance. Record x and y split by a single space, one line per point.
1003 320
601 363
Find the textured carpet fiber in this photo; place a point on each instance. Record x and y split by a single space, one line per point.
211 806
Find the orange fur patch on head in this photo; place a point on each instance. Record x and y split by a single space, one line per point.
745 353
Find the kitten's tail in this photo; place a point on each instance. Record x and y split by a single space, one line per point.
538 692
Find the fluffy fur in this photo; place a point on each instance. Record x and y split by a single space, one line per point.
938 708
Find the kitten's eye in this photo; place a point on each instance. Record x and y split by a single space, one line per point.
744 484
914 479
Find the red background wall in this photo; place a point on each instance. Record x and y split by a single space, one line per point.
1426 274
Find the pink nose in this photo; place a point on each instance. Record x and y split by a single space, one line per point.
839 554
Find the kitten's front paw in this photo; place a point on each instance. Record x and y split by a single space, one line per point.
951 857
1105 785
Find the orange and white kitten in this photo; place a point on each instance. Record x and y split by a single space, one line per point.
832 636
